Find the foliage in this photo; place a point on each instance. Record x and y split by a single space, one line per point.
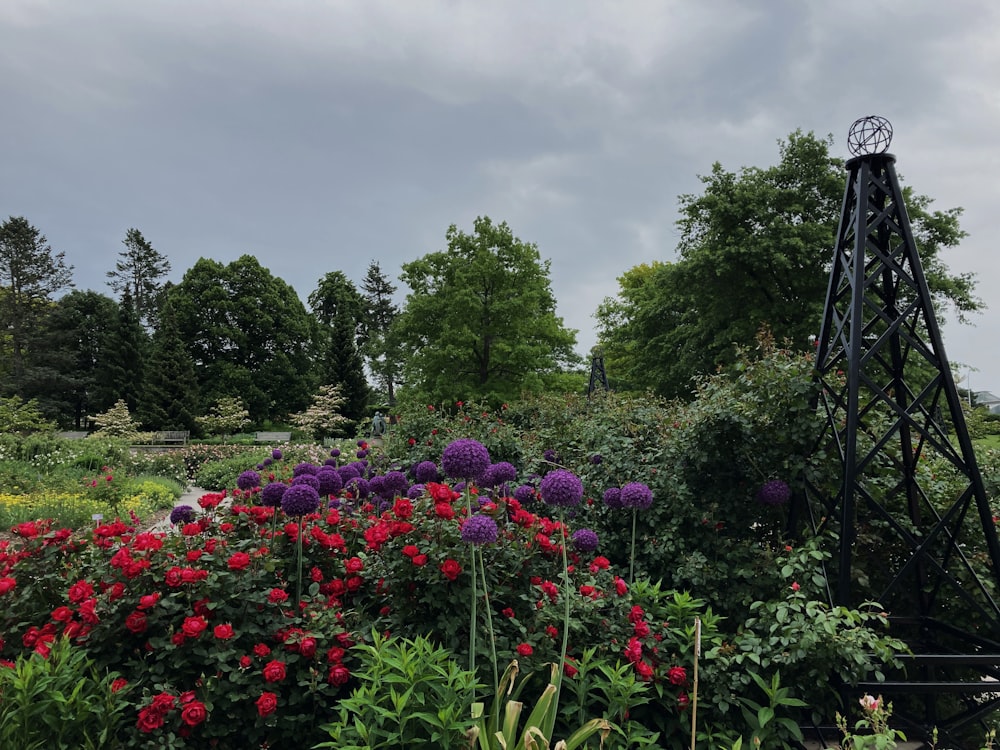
116 422
411 693
20 416
754 251
30 274
170 400
227 416
872 730
480 319
379 345
120 370
137 273
249 335
57 698
323 417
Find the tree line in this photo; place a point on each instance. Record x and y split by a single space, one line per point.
478 322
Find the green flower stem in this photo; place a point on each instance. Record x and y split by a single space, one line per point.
298 578
493 642
631 554
475 595
565 629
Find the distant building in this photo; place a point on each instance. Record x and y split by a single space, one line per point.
987 400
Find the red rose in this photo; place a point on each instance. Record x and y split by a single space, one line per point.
173 577
7 585
641 628
525 649
444 510
62 614
451 569
274 671
411 550
677 675
266 704
163 702
335 654
262 650
239 561
636 614
621 588
119 684
339 674
177 639
245 662
193 713
223 632
551 631
136 623
308 647
633 652
149 720
644 670
149 600
354 565
194 626
507 612
277 596
79 591
88 611
193 555
419 560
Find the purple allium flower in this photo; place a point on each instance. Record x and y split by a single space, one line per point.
267 462
425 471
396 483
361 443
376 485
331 462
248 480
561 487
361 466
362 453
524 494
307 479
182 514
357 487
348 472
585 540
550 455
636 495
259 467
774 492
330 482
276 454
596 459
415 491
335 453
465 459
272 493
613 497
479 529
304 468
499 473
299 500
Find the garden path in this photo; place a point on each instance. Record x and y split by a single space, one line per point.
190 497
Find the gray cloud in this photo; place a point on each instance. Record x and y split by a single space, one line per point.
320 135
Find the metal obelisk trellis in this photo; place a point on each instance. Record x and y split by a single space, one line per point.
598 378
913 522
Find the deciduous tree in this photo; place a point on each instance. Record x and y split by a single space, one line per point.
480 319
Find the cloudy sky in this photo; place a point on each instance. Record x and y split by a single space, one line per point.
319 135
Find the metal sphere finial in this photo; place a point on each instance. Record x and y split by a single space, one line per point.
869 135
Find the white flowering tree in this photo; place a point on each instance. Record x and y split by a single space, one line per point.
323 418
115 422
229 415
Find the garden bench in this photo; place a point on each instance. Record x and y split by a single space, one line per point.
172 437
72 435
272 437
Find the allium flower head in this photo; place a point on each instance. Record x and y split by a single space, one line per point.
377 485
248 480
330 482
299 500
358 487
334 452
308 479
636 495
348 472
584 540
613 497
774 492
479 529
267 461
550 455
561 487
272 493
415 491
396 483
276 454
465 459
425 471
524 493
304 468
596 459
499 473
182 514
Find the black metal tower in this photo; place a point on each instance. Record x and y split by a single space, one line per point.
915 530
598 378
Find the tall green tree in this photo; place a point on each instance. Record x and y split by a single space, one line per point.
170 399
754 252
30 275
378 345
64 364
138 271
249 335
121 368
339 309
480 319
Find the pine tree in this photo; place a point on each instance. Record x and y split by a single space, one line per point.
138 272
171 395
120 371
378 345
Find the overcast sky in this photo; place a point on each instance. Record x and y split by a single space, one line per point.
319 135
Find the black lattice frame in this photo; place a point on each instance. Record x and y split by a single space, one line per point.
885 385
598 378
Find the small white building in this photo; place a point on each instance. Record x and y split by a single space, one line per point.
987 400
